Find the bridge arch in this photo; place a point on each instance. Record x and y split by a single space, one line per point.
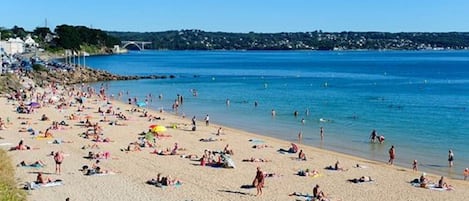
132 43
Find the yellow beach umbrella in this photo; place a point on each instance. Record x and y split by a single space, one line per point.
158 129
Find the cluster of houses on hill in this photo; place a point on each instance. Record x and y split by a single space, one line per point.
13 46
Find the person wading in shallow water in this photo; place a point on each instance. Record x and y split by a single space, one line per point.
392 155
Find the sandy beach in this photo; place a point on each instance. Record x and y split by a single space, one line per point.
133 168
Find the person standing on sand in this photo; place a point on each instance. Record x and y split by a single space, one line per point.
259 181
207 120
321 131
415 166
194 123
450 158
392 155
58 157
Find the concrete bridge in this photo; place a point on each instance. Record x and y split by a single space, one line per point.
139 44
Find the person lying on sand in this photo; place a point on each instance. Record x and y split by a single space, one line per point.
293 149
117 123
164 181
190 156
23 129
20 146
252 159
261 146
133 146
361 179
308 172
336 167
99 155
93 146
60 141
210 139
273 174
96 170
98 138
25 118
168 151
38 164
41 179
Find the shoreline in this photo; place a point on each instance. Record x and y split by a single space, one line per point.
135 167
371 151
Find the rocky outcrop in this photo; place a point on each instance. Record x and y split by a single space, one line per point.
83 75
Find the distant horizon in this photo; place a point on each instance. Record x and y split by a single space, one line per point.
324 31
243 16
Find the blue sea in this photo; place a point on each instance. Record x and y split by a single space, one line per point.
419 100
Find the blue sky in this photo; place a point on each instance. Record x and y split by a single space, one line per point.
242 15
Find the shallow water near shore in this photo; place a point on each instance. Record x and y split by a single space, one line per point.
418 100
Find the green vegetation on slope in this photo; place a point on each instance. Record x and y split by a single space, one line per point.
317 40
9 82
8 187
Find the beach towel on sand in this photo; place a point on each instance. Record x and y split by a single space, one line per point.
431 187
34 185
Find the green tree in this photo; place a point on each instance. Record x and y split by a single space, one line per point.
42 32
19 31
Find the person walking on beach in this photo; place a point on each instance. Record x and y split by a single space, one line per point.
58 157
193 123
392 155
321 132
259 181
450 158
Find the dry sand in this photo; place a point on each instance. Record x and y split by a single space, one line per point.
199 183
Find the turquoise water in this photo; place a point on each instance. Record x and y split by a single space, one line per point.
418 100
